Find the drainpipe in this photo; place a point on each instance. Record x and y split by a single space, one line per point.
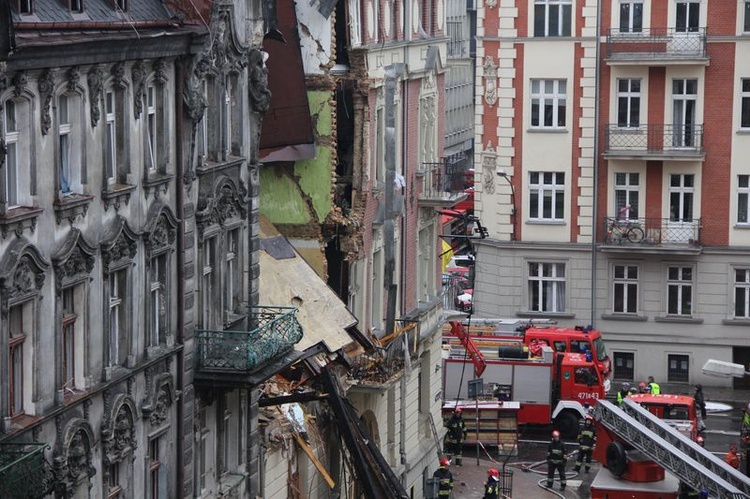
179 199
595 196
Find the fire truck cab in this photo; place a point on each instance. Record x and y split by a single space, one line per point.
678 411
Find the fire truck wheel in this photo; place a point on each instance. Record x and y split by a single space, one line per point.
617 460
567 424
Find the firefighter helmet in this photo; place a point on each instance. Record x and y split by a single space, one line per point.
626 385
555 434
699 440
444 461
589 418
492 472
458 410
642 386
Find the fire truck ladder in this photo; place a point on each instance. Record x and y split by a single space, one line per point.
679 455
476 356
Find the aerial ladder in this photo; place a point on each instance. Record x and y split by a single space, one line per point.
670 449
474 354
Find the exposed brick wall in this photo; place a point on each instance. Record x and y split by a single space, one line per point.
605 77
522 21
660 14
654 181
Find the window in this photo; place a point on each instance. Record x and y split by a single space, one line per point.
151 128
201 448
743 193
229 436
158 300
115 154
110 160
208 284
122 5
547 287
547 195
25 7
626 195
376 303
631 16
681 192
76 6
232 272
548 103
11 168
552 17
680 290
69 144
226 136
201 140
624 365
688 16
746 13
355 22
745 100
684 102
742 293
68 338
115 489
16 340
379 147
117 327
157 471
678 370
625 291
628 102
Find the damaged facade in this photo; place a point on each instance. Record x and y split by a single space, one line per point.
360 206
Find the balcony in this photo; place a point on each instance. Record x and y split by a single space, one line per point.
655 142
443 183
383 367
657 47
652 235
239 358
24 471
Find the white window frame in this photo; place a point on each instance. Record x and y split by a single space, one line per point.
563 30
70 144
684 112
627 193
630 26
745 101
680 285
741 292
542 186
226 145
116 304
11 168
547 280
743 199
158 270
17 358
110 143
232 272
202 130
631 100
208 282
684 194
376 279
152 130
548 92
355 23
691 21
746 17
625 282
70 317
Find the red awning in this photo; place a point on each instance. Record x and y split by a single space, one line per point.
287 133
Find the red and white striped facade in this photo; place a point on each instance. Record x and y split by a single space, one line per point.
612 174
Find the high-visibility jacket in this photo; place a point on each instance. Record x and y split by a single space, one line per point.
621 395
587 437
655 389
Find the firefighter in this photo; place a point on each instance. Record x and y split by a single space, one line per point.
624 392
643 387
454 439
586 441
491 488
700 441
745 436
556 460
655 388
733 457
444 478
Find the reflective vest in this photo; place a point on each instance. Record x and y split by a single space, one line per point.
655 390
621 395
587 437
490 489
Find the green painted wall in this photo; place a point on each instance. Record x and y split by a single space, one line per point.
283 198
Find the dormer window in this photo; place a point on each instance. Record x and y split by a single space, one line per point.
121 5
76 6
26 7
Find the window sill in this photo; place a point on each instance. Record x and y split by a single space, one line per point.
545 315
545 222
736 322
742 226
625 317
71 206
210 166
547 130
678 319
157 182
16 220
115 194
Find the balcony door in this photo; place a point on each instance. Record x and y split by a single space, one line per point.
681 227
687 36
684 98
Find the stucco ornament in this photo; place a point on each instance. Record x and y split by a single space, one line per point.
73 77
490 80
95 80
260 95
46 84
139 83
20 83
491 3
489 166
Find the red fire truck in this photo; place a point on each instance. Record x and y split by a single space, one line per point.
552 388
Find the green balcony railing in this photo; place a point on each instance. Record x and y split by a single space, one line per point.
273 331
24 471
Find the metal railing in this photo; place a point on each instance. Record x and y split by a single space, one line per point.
444 182
386 363
665 139
24 471
275 331
657 43
652 231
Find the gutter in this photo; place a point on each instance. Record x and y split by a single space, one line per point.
82 25
595 197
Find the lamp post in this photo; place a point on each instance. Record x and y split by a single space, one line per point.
503 174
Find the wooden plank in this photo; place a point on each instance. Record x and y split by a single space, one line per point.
314 459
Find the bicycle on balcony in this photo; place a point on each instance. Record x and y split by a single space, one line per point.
622 229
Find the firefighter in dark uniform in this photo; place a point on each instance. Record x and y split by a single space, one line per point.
586 441
623 393
454 439
556 460
491 488
444 478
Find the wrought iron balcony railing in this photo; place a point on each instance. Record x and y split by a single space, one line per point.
656 44
383 366
273 331
444 182
660 139
24 471
652 232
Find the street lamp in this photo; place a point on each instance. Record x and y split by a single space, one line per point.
503 174
723 369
